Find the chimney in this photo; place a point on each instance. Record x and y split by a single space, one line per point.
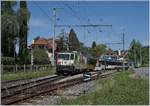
119 52
32 41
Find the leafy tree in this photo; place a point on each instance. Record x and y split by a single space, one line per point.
135 51
38 37
93 44
9 27
98 50
145 55
60 42
23 18
40 56
74 43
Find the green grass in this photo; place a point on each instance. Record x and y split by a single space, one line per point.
27 74
119 90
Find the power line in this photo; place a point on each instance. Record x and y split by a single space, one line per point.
43 11
114 43
96 25
74 13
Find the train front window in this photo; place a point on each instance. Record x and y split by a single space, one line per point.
63 56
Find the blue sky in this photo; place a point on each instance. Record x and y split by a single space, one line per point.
132 17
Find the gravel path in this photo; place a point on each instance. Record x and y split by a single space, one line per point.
143 72
67 93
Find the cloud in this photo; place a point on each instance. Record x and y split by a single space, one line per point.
38 23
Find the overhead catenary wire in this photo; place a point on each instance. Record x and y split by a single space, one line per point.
43 11
75 14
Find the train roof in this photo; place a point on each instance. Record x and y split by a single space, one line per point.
67 52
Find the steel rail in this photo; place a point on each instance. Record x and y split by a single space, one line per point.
48 87
12 90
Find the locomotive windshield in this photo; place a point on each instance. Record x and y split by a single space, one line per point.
63 56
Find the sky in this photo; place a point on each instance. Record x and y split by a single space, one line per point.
130 17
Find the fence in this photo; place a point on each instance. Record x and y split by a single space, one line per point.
19 68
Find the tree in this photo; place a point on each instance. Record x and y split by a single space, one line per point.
93 44
40 56
98 50
145 55
135 51
9 27
61 41
74 44
23 18
38 37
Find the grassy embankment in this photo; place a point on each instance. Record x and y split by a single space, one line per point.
121 89
27 74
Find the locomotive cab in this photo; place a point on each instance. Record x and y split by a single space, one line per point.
65 63
69 63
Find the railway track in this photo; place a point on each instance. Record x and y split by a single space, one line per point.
16 83
40 87
25 87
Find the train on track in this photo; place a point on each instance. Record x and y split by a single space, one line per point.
110 62
69 63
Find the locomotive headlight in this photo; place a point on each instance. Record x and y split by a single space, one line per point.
58 62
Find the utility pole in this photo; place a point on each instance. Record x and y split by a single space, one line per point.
123 42
123 51
84 26
140 55
31 58
134 58
68 43
54 25
123 47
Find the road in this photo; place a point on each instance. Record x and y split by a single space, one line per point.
143 71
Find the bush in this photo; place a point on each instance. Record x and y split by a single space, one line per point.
8 60
92 61
40 56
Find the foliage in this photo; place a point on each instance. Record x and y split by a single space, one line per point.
23 18
14 25
9 27
118 90
61 42
28 58
8 60
98 50
93 44
138 54
145 55
40 56
7 6
38 37
74 44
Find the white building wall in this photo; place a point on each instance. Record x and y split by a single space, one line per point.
50 55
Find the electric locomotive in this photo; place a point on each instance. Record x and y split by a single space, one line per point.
68 63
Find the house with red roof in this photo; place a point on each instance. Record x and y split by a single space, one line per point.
47 44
